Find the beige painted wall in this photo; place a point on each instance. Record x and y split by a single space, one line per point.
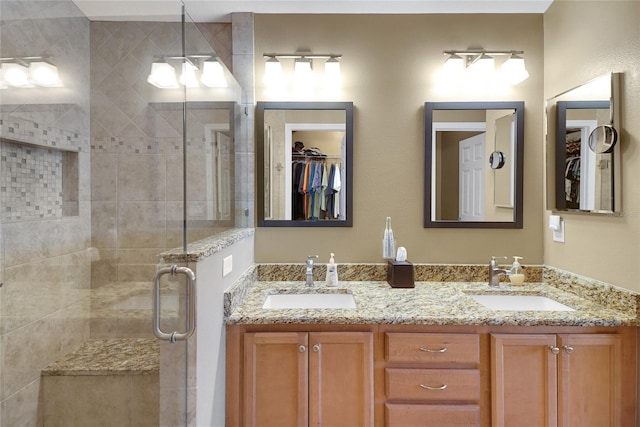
388 69
600 247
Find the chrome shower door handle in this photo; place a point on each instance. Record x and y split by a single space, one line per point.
191 304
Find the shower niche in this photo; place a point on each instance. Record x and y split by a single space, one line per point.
39 171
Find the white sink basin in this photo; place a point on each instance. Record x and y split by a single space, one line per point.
309 300
520 303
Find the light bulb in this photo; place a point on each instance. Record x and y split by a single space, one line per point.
16 75
272 72
332 74
303 73
163 75
44 74
188 75
453 66
482 70
213 74
513 69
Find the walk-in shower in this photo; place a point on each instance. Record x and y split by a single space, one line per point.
100 173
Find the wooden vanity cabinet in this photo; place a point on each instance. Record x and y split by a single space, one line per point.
565 380
432 379
307 379
394 375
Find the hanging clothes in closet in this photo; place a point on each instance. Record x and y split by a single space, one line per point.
572 168
315 189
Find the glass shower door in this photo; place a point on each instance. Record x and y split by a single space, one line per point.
89 202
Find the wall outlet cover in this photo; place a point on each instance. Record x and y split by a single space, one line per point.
558 236
227 265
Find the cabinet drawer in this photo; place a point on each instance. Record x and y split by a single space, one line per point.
433 385
405 415
462 349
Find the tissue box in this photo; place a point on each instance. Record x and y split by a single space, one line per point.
400 274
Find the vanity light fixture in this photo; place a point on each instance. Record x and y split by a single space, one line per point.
211 71
481 64
303 69
28 72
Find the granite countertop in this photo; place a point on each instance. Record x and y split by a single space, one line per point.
429 303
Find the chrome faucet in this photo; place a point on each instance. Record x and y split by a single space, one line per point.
310 259
495 273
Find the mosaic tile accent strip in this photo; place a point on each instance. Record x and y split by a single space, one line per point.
30 182
26 131
147 145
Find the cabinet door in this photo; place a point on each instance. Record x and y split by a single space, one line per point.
275 379
590 380
523 380
341 379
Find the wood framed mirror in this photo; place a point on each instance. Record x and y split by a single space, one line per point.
464 186
304 153
580 178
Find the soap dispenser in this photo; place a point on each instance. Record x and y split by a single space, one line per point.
516 274
332 272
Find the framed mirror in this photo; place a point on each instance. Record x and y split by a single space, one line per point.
583 153
304 153
474 160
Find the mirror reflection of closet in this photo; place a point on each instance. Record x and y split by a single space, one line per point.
579 178
304 164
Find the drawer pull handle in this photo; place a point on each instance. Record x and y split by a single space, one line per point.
430 350
426 387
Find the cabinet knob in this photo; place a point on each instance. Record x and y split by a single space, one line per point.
302 348
431 350
554 349
568 349
316 348
426 387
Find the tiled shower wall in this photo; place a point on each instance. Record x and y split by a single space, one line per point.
30 182
136 148
44 297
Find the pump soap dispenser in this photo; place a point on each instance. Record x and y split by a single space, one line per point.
516 274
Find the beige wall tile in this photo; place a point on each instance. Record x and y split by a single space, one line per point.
21 409
104 224
145 401
136 272
141 177
104 175
141 224
26 351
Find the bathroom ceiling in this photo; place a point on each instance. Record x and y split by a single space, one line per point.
220 11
